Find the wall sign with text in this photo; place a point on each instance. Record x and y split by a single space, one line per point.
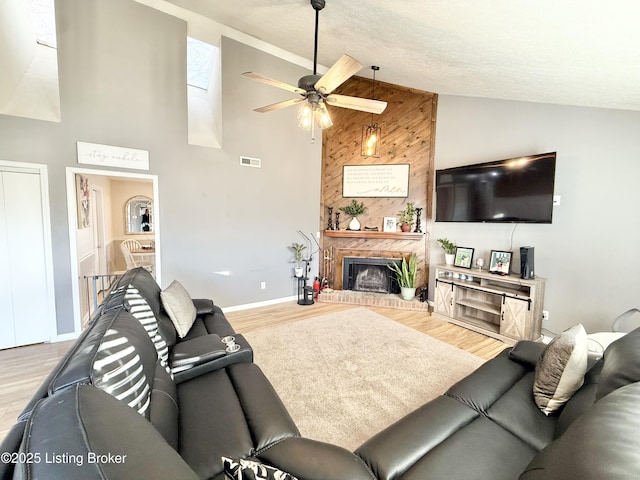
375 180
110 156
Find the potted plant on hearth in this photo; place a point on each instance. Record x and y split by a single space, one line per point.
406 217
298 250
354 209
449 250
406 275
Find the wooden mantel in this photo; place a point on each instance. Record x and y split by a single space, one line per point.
374 234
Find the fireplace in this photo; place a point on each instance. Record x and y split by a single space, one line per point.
369 275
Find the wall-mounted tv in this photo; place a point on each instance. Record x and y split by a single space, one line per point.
506 191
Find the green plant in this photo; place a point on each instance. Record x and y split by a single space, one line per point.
448 246
354 209
408 215
298 250
406 273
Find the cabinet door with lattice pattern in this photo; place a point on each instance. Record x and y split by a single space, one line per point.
443 299
516 319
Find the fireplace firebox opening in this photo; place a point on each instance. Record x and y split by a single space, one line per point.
369 275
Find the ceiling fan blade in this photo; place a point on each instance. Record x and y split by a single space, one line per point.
356 103
340 72
272 82
277 106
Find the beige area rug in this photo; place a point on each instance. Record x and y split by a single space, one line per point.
345 376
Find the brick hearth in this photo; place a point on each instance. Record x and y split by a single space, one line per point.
372 300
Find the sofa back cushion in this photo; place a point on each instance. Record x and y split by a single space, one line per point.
148 288
603 443
95 437
621 364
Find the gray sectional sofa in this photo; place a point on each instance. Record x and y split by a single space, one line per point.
114 409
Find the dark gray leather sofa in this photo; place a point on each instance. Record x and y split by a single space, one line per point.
484 427
488 427
111 409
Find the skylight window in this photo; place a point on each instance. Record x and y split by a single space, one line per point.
200 57
43 20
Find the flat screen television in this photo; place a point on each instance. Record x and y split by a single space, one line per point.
515 190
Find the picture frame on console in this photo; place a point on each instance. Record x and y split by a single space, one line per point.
390 224
463 257
500 262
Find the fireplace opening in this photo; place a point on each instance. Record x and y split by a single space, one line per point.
369 275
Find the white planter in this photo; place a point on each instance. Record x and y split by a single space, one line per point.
449 258
354 224
408 293
298 271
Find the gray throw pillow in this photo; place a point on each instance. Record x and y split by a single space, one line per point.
179 306
560 370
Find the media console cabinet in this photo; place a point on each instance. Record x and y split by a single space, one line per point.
505 307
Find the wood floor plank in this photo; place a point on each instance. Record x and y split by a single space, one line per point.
23 369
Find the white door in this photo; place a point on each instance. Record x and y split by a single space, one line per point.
24 291
97 214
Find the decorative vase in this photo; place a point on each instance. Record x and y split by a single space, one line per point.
298 271
449 258
354 224
405 227
408 293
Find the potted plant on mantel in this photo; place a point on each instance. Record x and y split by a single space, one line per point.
406 217
406 275
298 250
354 209
449 250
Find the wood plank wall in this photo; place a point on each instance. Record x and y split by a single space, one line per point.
408 136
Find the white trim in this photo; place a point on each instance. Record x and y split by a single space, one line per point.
73 218
46 225
65 337
248 306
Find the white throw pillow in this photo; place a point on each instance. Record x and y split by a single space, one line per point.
178 304
561 368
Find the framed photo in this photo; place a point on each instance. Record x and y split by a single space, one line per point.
464 257
500 262
389 224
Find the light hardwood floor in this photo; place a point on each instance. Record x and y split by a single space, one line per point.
23 369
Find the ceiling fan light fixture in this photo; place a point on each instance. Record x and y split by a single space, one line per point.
372 133
323 119
305 116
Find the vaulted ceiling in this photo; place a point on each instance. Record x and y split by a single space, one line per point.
552 51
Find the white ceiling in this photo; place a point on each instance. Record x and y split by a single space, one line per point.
552 51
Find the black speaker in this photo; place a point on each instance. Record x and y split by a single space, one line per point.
526 263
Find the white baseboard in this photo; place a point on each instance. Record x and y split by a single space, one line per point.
65 337
248 306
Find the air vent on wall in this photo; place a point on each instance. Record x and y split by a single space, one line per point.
250 162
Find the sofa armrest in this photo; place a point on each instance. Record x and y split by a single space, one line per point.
197 351
527 352
203 306
314 460
204 354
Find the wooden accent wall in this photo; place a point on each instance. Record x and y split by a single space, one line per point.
408 136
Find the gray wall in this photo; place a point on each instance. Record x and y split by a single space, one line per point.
122 82
589 254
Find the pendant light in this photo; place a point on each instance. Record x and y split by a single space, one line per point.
371 133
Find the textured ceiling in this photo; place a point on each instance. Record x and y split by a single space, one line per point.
553 51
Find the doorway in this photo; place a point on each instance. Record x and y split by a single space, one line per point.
94 243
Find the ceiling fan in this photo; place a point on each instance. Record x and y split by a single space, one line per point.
315 90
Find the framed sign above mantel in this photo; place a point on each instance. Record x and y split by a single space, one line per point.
381 181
